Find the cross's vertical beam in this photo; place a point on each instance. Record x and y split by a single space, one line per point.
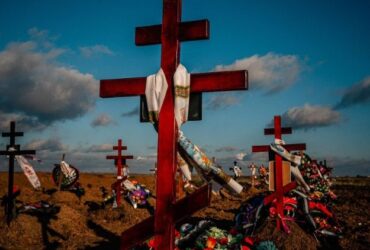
10 202
119 171
119 158
278 172
167 130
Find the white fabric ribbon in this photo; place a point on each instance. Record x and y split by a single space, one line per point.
181 80
155 92
207 167
184 167
128 185
277 147
299 178
29 172
66 169
295 159
279 141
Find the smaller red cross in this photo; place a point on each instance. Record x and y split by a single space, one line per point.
119 162
277 131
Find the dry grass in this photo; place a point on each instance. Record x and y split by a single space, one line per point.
76 227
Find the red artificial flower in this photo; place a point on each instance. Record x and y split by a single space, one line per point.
211 242
233 231
151 243
223 241
249 241
177 234
272 212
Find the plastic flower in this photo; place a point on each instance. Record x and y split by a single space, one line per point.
211 242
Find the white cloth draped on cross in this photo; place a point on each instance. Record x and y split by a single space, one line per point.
278 147
29 172
156 87
155 92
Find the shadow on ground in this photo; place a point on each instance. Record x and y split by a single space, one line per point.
111 241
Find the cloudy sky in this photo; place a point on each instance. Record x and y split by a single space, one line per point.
308 61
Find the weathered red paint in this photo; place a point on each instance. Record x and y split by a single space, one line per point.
277 131
169 34
119 162
188 31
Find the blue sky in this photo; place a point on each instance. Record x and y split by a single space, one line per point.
308 61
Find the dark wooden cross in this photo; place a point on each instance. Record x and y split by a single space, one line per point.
169 34
119 162
278 194
11 151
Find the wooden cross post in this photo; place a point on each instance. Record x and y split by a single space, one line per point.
119 162
169 35
11 151
277 131
61 175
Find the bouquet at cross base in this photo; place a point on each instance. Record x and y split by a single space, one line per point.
136 193
318 177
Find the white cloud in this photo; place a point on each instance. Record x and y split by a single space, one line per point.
24 123
100 148
102 120
89 51
310 116
35 87
222 101
42 37
240 156
51 145
149 157
271 72
226 149
357 94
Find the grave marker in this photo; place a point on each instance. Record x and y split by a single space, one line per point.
119 162
280 189
169 35
11 151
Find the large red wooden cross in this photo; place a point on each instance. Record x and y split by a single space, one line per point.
169 35
119 162
277 131
11 151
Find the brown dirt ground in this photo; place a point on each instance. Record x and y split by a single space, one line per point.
75 227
